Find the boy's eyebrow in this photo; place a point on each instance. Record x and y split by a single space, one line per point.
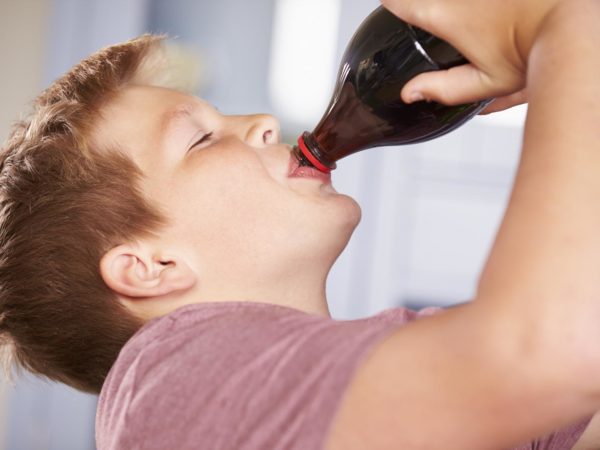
171 117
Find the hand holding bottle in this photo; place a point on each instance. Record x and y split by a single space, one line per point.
495 36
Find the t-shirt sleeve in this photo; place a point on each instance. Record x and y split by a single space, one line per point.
563 439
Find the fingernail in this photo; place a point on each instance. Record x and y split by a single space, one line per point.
416 97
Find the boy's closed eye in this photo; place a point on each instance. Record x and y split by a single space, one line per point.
203 140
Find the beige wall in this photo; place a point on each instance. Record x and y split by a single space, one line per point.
23 26
23 32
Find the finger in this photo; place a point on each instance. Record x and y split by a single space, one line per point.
455 86
506 102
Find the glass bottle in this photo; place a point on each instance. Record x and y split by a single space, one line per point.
366 110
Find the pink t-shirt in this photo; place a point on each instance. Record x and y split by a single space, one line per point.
242 376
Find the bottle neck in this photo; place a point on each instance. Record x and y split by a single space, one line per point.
311 153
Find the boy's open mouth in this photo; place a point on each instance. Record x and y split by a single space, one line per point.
297 171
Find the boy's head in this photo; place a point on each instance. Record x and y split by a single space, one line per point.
122 200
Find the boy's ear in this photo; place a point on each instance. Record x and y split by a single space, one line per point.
134 271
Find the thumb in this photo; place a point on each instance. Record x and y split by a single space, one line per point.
455 86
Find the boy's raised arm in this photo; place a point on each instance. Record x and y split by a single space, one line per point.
522 360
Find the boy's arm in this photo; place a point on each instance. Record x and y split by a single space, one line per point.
522 360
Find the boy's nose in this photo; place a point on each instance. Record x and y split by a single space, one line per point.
262 129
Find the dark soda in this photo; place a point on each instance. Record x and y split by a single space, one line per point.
366 110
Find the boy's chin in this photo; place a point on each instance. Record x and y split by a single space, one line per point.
352 209
348 213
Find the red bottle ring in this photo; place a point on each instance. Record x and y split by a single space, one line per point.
314 161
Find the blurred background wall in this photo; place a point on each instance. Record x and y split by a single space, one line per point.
22 51
430 212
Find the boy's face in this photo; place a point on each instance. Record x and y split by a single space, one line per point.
229 200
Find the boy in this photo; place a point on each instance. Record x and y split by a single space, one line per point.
174 260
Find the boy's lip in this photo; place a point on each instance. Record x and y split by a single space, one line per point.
297 171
